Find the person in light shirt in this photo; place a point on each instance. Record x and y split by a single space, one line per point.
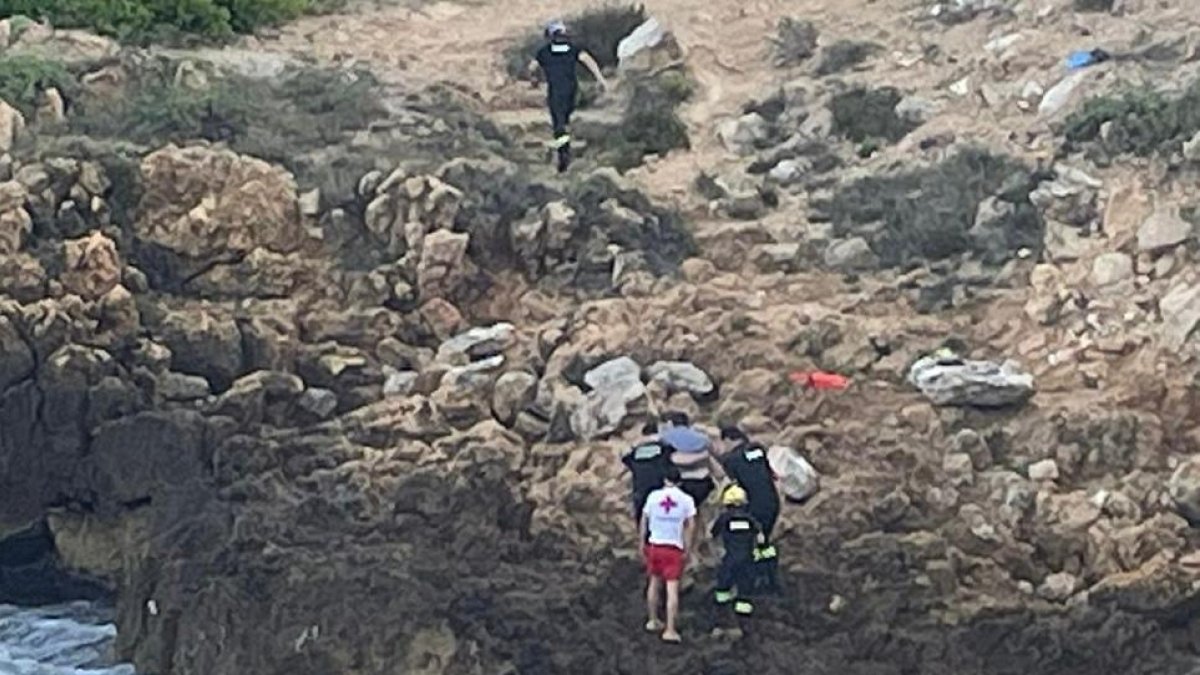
668 522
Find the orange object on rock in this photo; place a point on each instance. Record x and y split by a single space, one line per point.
819 379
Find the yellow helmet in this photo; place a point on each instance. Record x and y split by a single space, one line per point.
733 495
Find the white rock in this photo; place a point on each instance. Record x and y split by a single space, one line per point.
12 125
1058 587
478 342
310 202
1060 94
1045 470
1163 229
742 135
615 384
961 87
1111 268
916 109
646 36
850 254
398 382
174 386
1032 92
1180 309
959 468
320 402
681 376
798 480
786 172
1191 148
971 383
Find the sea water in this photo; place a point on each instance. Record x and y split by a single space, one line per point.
69 639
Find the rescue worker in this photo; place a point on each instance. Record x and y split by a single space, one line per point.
558 59
740 535
668 520
647 462
745 463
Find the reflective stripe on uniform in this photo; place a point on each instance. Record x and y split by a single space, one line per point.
735 525
764 553
723 597
560 48
752 455
742 607
561 141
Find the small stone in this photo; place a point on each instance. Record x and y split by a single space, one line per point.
959 468
321 403
1045 470
961 87
310 203
850 254
1109 269
1058 587
398 382
786 172
916 109
836 604
1032 92
1162 230
1191 148
743 135
52 111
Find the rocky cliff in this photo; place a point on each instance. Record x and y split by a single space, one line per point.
360 410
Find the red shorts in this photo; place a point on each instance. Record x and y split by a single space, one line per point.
664 562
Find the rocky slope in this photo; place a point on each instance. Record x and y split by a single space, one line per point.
376 429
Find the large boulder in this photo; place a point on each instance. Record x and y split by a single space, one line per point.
798 480
648 48
615 384
204 343
402 208
679 376
92 266
12 125
1184 488
205 203
1163 230
1180 309
982 384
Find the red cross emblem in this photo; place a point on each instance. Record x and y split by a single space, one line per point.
667 504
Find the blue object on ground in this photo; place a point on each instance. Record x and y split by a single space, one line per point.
1083 59
685 439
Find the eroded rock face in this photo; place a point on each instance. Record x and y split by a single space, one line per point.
205 204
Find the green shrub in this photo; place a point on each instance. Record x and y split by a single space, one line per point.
149 20
650 123
22 77
795 42
1142 121
843 55
927 213
596 31
862 114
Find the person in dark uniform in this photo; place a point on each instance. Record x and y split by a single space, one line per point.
745 463
647 462
558 59
740 535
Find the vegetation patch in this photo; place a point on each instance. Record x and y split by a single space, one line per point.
650 123
597 31
795 42
143 21
23 78
844 55
860 115
1141 122
1093 5
928 214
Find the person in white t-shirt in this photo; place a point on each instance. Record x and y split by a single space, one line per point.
668 519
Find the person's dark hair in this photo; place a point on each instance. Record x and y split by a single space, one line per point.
650 428
672 475
733 434
677 418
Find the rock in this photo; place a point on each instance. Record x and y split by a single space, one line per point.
1058 587
743 135
776 257
959 468
798 480
1109 269
646 36
1032 92
1184 489
1063 243
983 384
204 203
1162 230
92 266
442 266
16 357
1180 309
989 233
970 443
1045 470
477 343
320 403
680 376
514 391
850 254
404 208
174 386
614 385
310 203
12 125
961 87
1191 148
204 343
786 172
22 277
916 110
52 111
398 382
15 222
1057 98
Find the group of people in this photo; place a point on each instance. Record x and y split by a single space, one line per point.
672 470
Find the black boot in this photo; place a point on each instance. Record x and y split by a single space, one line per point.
564 158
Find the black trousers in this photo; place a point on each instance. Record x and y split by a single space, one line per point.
735 571
562 106
766 514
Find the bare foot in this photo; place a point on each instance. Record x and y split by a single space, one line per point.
653 626
672 637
